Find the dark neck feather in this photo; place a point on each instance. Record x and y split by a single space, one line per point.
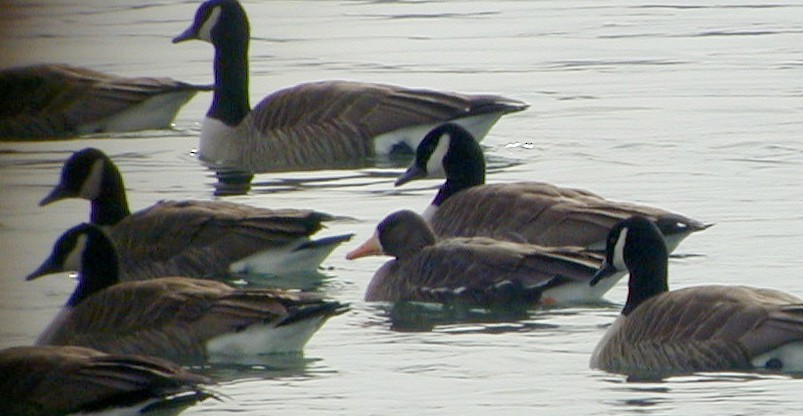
464 164
111 204
99 267
648 277
230 103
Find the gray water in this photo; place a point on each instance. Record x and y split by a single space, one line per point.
694 106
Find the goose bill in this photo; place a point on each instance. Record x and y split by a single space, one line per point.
370 247
58 193
413 172
188 34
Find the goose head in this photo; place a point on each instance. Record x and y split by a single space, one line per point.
85 248
637 246
219 22
86 174
401 235
447 150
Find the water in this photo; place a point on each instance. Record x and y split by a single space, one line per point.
692 106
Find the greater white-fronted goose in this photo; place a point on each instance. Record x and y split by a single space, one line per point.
47 381
701 328
177 318
54 100
319 125
191 238
534 212
475 270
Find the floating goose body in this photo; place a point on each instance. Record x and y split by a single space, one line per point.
50 381
475 270
190 238
533 212
176 317
319 125
51 101
702 328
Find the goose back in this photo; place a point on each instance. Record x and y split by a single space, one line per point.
701 328
70 380
53 100
176 317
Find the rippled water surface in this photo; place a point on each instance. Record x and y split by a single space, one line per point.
693 106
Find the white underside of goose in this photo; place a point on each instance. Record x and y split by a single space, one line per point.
578 292
156 112
672 242
284 260
478 125
264 339
789 356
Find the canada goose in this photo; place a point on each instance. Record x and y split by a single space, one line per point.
50 381
319 125
54 100
176 317
475 270
533 212
191 238
702 328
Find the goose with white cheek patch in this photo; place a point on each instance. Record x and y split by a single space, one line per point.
178 318
533 212
47 381
59 101
478 270
700 328
318 125
202 239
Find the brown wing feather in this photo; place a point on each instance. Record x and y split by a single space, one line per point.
54 100
331 123
201 238
172 317
475 266
537 213
703 328
62 380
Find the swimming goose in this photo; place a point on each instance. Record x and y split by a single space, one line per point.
176 317
702 328
319 125
55 100
475 270
191 238
533 212
48 381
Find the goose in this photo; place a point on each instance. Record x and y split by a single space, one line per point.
317 125
699 328
476 270
175 317
533 212
55 100
191 238
46 381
